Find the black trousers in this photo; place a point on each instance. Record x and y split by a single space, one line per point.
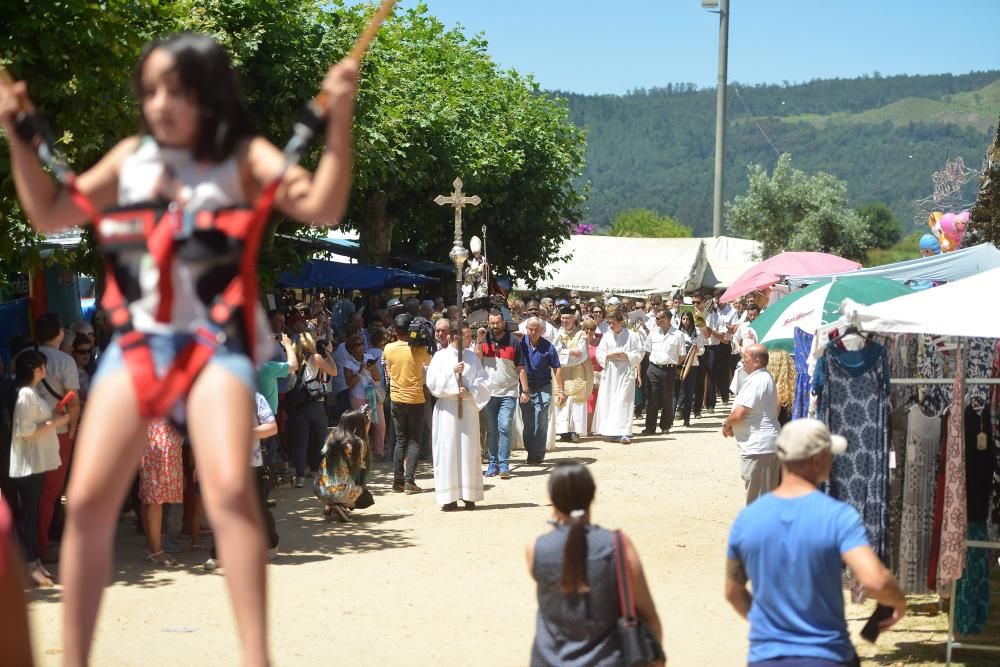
644 388
408 419
700 373
661 396
718 373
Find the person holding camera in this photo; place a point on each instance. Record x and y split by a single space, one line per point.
405 360
307 420
362 374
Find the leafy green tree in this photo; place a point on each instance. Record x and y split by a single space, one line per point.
886 229
643 222
793 210
80 81
433 106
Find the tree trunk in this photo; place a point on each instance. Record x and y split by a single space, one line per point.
376 231
984 218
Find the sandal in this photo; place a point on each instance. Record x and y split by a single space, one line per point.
161 558
37 578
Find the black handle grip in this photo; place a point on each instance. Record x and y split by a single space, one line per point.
33 128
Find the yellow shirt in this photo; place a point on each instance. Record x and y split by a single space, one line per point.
406 371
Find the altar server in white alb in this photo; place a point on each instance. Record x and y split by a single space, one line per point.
620 352
458 473
571 344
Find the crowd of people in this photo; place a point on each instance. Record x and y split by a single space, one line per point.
557 368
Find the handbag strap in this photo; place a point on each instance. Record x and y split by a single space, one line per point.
626 602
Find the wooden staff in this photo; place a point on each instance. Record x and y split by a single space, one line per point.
361 46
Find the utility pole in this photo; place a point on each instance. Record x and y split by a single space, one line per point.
720 115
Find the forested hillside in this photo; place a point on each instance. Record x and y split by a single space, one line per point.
883 135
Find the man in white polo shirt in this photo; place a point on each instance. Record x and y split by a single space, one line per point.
753 421
665 345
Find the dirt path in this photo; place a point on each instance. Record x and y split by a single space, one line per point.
406 583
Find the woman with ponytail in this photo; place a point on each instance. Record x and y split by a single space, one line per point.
574 567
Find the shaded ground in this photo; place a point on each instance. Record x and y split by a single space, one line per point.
406 583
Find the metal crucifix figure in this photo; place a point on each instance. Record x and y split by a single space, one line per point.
458 255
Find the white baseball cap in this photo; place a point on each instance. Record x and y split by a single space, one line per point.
804 438
614 301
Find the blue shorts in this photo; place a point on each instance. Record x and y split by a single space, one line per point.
166 347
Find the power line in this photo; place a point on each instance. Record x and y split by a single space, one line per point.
753 119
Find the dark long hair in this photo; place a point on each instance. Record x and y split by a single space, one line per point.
690 330
350 430
571 489
205 70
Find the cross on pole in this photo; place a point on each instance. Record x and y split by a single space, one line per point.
458 255
458 201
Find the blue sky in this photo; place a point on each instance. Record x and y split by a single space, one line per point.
612 46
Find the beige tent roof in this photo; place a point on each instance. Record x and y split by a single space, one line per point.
625 265
728 259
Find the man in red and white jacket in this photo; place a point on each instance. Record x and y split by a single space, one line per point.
500 353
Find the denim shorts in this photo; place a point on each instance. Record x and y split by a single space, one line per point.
166 347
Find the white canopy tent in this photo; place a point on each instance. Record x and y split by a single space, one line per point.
940 268
642 266
959 308
728 259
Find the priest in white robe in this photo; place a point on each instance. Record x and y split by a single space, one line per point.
620 352
458 473
571 344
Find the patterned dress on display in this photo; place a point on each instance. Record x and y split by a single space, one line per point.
852 390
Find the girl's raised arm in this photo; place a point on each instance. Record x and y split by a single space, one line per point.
47 204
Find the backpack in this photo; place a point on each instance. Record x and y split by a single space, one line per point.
303 393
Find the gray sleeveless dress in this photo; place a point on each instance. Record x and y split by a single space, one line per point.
577 629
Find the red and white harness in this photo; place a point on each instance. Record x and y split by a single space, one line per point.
155 230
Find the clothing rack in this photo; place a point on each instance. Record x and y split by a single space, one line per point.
950 643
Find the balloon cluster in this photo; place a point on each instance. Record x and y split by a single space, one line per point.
947 230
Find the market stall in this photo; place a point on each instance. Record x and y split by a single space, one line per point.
916 387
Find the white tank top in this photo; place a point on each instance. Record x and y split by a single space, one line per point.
155 173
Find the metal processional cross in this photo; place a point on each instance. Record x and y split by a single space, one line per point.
458 255
458 201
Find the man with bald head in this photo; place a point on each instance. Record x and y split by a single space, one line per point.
753 422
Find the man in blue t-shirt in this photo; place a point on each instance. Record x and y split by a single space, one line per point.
791 545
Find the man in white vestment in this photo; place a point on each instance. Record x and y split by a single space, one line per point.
620 352
571 344
458 473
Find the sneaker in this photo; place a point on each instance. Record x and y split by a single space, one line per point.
410 488
211 564
491 470
300 482
625 440
397 487
504 472
450 507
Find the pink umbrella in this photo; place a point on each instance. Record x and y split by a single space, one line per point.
763 275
